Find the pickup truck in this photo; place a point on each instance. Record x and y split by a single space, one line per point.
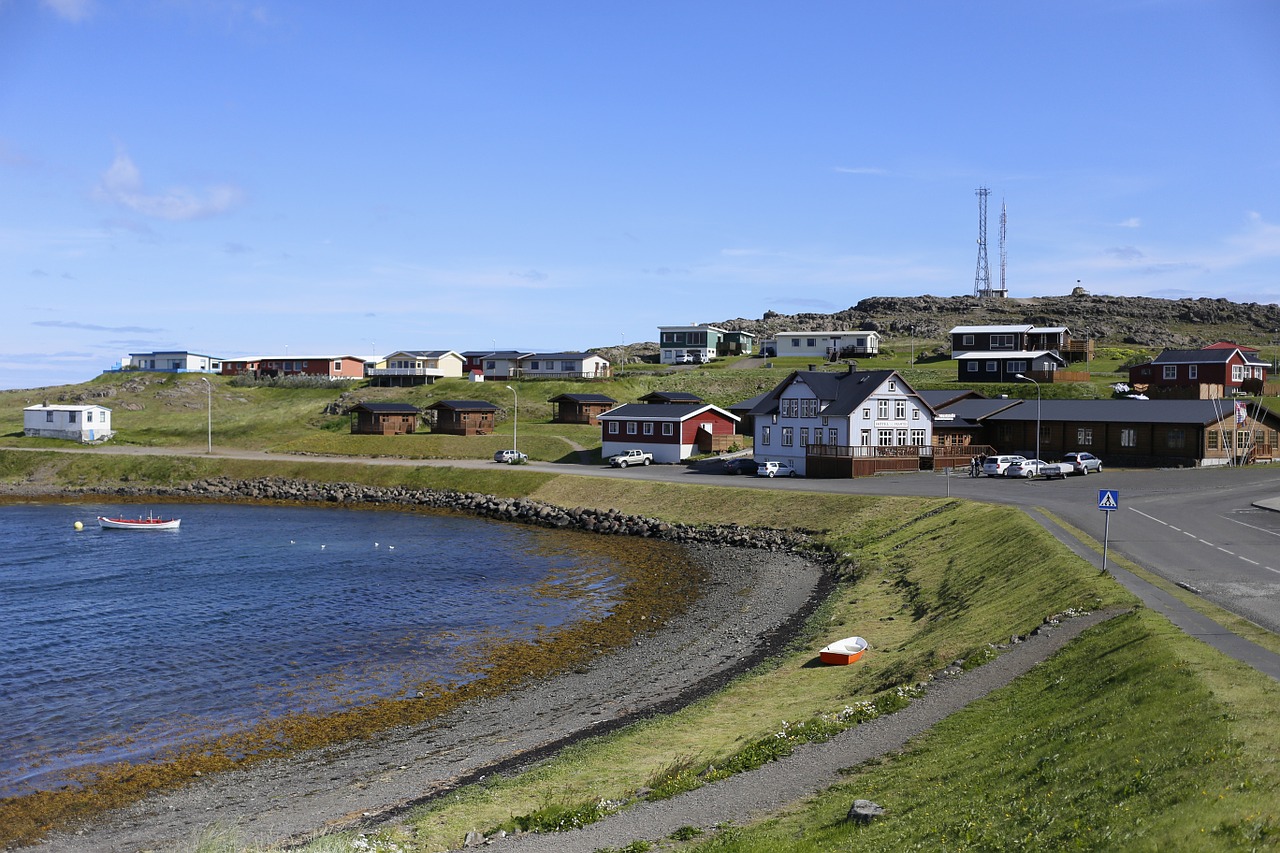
634 456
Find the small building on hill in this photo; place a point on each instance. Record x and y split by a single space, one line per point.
463 417
384 418
85 424
581 408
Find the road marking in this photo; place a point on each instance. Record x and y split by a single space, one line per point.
1253 526
1225 551
1207 542
1152 517
1247 560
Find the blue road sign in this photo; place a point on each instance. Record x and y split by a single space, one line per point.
1108 499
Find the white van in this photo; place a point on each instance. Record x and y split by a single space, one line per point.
995 465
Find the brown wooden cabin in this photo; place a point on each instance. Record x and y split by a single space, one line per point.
384 418
463 417
581 408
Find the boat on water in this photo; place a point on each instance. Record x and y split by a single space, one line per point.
844 651
151 522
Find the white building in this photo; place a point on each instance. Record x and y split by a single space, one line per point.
826 345
177 361
846 408
85 424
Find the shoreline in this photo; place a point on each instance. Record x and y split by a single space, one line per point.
752 602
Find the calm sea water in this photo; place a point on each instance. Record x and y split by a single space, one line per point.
115 644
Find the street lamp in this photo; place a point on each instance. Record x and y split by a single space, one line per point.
515 420
208 387
1037 384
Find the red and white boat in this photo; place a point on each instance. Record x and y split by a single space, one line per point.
844 651
149 523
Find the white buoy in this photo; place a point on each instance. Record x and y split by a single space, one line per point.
79 525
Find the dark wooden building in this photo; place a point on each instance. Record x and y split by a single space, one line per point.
670 397
581 408
463 417
384 418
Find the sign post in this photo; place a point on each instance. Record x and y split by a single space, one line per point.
1108 502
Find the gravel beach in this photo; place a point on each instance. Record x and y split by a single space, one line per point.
750 608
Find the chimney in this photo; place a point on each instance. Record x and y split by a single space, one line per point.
813 367
853 365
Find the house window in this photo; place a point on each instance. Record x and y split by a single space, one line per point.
1084 436
88 417
613 427
992 367
1017 367
489 365
884 437
788 436
900 410
1002 341
808 408
866 413
795 343
1237 373
337 367
48 417
631 427
648 427
567 367
789 408
915 414
1176 438
1193 371
966 340
866 437
533 365
668 429
804 436
1212 440
71 417
882 409
811 343
917 436
1128 437
1171 371
902 437
765 435
893 386
971 366
833 436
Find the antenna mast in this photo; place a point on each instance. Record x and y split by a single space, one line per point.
1004 291
982 278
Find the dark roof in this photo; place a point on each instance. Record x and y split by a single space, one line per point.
424 353
661 411
560 355
937 399
969 414
464 405
842 392
581 398
670 397
747 405
386 408
1125 411
1194 356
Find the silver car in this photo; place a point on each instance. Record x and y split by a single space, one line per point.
995 465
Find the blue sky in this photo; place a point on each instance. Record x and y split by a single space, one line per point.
234 177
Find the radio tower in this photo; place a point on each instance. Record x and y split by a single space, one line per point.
982 278
1004 291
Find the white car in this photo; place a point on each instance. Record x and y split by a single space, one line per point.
1038 468
775 469
684 358
510 456
995 465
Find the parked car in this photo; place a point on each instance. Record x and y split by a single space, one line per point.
1083 463
634 456
1038 468
701 358
775 469
996 465
684 358
510 456
740 465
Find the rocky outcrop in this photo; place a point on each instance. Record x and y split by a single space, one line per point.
609 522
1134 320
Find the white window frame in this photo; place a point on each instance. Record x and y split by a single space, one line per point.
1170 371
648 428
669 429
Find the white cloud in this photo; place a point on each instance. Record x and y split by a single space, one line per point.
1131 222
122 185
70 10
861 170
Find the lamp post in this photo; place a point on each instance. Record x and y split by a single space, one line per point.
913 343
515 420
208 387
1037 384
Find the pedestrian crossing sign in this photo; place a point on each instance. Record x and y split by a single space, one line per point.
1108 499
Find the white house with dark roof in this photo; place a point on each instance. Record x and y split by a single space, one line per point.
416 367
826 345
850 408
564 365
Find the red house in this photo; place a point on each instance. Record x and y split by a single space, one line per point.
1214 372
327 366
672 432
